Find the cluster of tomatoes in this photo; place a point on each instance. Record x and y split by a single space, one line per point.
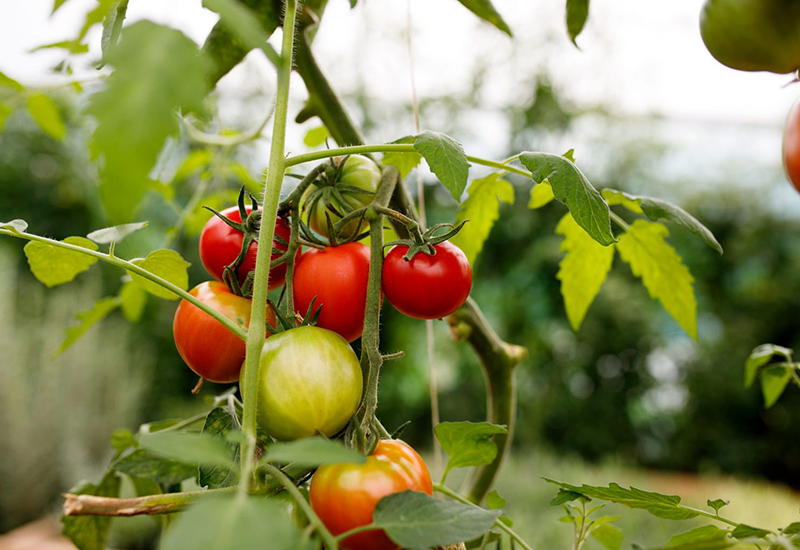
310 379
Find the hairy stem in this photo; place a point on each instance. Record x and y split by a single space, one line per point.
90 505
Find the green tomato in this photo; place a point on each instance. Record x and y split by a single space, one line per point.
359 172
753 35
309 381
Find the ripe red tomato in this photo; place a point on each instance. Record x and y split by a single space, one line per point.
427 287
344 495
220 245
210 349
791 146
337 276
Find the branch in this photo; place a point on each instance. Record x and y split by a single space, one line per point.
90 505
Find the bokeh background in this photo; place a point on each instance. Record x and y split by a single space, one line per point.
629 398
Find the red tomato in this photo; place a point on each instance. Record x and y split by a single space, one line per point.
427 287
210 349
220 244
337 276
791 146
344 495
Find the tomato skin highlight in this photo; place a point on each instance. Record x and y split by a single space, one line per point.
791 146
207 347
338 277
309 380
344 495
427 287
220 245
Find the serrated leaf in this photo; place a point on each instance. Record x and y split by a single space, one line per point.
657 209
660 505
773 383
743 531
161 470
563 496
188 448
47 116
486 11
221 423
116 233
582 271
8 82
112 25
168 265
231 522
541 194
91 532
15 226
87 319
316 136
312 451
717 504
151 86
666 278
416 520
132 300
759 357
608 535
709 537
244 24
53 265
446 159
577 14
481 210
494 501
468 443
571 188
404 162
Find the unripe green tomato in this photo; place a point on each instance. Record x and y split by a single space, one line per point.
359 171
753 35
309 381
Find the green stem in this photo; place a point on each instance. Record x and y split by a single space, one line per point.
618 220
499 524
292 489
272 191
133 268
357 530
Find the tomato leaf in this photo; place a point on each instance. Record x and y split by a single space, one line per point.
577 14
246 25
316 136
47 116
112 26
141 463
219 423
481 210
312 451
494 501
188 448
657 209
231 522
91 532
168 265
709 537
563 496
446 159
541 194
132 300
608 535
414 519
583 270
468 443
571 188
486 11
15 226
194 161
773 383
743 531
151 86
115 234
74 47
87 319
717 504
759 357
404 162
55 266
8 82
666 278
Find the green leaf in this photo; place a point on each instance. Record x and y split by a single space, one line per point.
571 188
666 278
141 463
312 451
662 506
316 137
15 226
74 47
220 423
709 537
151 86
87 320
95 16
188 448
414 519
8 82
404 162
5 111
122 440
481 210
563 497
132 300
717 504
194 161
168 265
577 14
446 159
57 4
773 382
792 528
468 443
583 270
231 522
46 114
541 194
657 209
494 501
244 23
91 532
115 234
743 531
112 26
608 535
486 11
55 266
759 357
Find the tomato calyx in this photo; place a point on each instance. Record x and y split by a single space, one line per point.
425 242
288 323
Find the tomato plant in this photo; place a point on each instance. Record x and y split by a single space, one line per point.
391 468
427 286
337 277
